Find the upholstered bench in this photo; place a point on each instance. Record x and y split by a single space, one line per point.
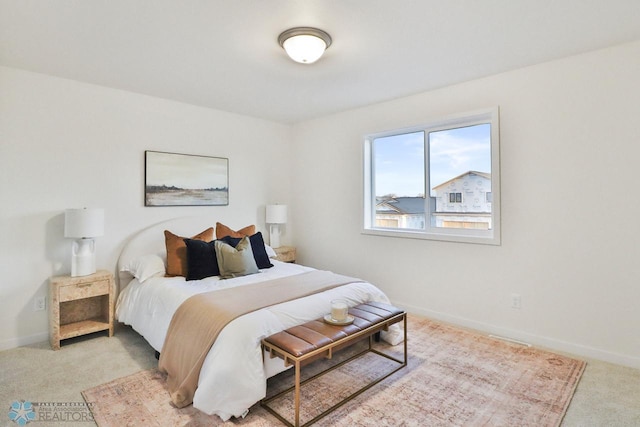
310 341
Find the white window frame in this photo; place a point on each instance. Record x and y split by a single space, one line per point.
491 237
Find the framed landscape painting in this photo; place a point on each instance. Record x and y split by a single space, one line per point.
172 179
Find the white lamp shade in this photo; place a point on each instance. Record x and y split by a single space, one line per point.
304 48
85 222
276 214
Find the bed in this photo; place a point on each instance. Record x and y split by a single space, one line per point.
234 373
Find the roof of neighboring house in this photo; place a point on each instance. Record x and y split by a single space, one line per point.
401 205
482 174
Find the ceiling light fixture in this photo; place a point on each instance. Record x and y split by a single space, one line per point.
304 44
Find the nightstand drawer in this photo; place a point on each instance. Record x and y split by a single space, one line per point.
84 290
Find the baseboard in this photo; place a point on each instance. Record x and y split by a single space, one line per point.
22 341
540 341
550 343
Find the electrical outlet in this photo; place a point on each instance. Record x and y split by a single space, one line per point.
40 304
516 301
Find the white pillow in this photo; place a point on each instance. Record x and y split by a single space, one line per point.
270 252
145 267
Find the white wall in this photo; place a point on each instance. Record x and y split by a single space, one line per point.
570 144
65 144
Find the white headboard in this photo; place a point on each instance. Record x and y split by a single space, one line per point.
151 240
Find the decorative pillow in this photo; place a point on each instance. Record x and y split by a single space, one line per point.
235 262
257 247
177 251
271 253
144 267
224 231
201 259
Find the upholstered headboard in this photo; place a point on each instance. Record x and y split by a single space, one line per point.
151 240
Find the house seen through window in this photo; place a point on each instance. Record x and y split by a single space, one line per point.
436 181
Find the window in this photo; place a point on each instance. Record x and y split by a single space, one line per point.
437 181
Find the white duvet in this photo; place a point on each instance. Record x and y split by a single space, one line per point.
233 376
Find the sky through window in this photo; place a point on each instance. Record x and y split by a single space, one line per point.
399 159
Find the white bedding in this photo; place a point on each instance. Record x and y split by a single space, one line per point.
234 375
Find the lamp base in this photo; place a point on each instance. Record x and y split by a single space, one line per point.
274 236
83 257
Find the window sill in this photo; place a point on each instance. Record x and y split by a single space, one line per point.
445 236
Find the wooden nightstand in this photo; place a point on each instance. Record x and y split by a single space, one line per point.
286 253
80 305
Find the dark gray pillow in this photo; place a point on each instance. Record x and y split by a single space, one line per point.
201 259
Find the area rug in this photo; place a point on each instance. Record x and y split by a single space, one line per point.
454 378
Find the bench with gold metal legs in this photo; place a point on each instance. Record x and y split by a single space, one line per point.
316 339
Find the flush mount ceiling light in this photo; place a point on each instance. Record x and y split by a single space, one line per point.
304 44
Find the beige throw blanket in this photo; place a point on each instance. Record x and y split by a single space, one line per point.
198 321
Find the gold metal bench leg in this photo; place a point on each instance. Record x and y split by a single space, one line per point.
405 339
297 396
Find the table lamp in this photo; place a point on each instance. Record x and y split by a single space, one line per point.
276 215
83 225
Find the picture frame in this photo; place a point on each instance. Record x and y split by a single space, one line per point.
173 179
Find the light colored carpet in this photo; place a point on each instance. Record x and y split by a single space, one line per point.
454 378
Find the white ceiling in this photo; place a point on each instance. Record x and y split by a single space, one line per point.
224 54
